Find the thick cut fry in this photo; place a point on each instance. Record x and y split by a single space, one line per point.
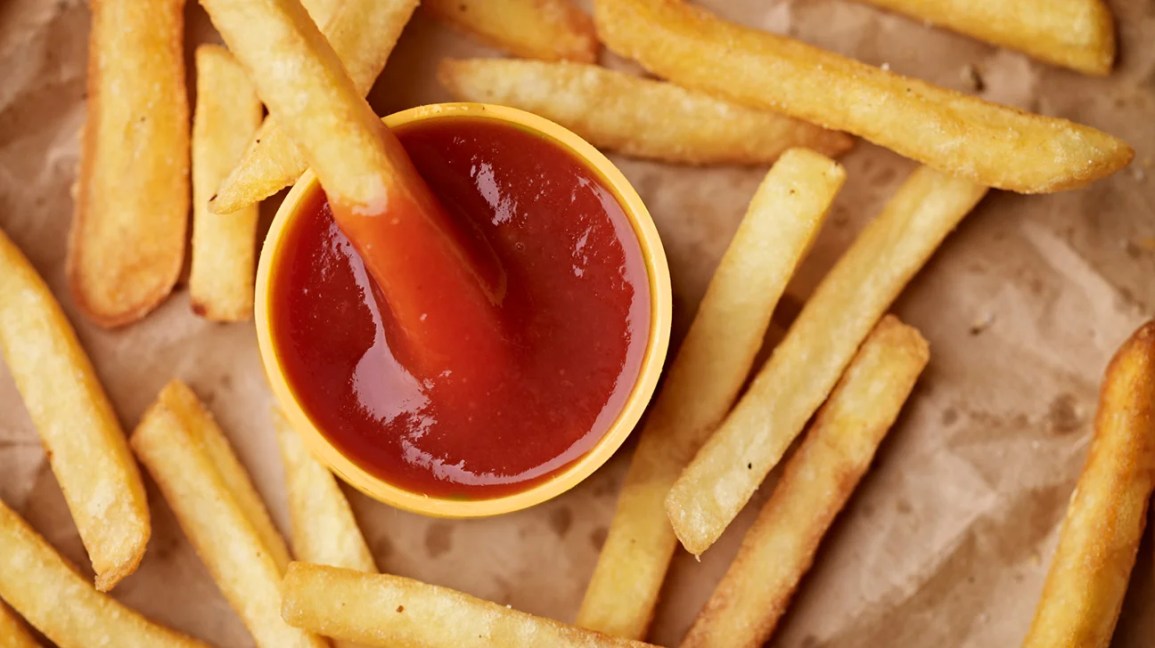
779 549
552 30
12 631
955 133
49 593
704 379
362 33
228 112
1078 34
216 506
128 234
1092 565
82 438
383 610
637 116
806 365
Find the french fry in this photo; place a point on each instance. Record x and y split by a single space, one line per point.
218 509
1092 565
779 549
81 435
13 634
805 366
786 213
52 596
957 134
636 116
384 610
362 33
324 530
1078 34
228 112
128 234
552 30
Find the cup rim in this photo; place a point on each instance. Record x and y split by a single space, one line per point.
657 272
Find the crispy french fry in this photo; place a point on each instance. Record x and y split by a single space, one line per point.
1078 34
1092 565
778 550
637 116
363 33
52 596
13 634
553 30
82 437
384 610
219 511
228 112
805 366
958 134
703 381
128 234
324 529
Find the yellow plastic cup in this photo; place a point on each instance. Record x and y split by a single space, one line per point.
657 271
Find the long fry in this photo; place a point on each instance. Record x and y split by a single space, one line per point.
805 366
128 234
12 631
362 33
82 438
704 379
958 134
1092 565
778 550
189 459
228 112
637 116
49 593
551 30
384 610
1078 34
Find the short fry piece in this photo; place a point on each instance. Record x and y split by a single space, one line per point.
383 610
12 631
228 112
219 511
636 116
128 234
49 593
711 366
1092 565
1078 34
806 365
819 478
82 437
551 30
362 33
957 134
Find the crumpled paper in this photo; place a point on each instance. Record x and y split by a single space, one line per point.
948 538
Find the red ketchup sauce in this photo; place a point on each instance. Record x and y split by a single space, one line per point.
574 313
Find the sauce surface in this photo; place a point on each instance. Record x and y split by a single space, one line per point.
574 312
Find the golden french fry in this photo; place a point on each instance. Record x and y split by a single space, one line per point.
702 383
637 116
955 133
384 610
228 112
128 234
778 550
362 33
1079 34
552 30
13 634
219 511
324 529
805 366
52 596
1092 565
82 437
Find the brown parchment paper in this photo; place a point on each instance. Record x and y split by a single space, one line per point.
948 538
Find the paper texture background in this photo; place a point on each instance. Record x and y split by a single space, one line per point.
948 538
